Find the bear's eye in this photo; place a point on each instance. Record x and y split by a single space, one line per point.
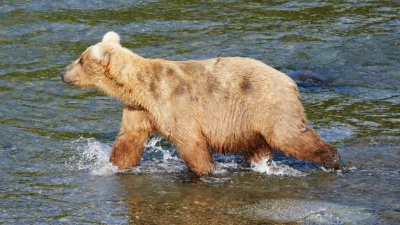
80 61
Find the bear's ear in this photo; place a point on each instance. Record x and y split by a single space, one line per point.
97 52
111 37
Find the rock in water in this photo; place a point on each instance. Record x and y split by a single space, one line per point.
305 212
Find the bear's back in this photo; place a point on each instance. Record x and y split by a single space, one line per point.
235 78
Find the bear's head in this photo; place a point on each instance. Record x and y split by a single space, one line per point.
89 70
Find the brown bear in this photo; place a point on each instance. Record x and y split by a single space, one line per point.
220 105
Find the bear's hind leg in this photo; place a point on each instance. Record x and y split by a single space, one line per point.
306 145
129 146
257 155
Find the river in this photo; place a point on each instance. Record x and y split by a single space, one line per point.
55 139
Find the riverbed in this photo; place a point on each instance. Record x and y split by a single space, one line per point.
55 139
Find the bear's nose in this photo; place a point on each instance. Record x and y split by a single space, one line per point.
61 73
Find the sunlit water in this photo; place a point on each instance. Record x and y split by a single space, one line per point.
55 139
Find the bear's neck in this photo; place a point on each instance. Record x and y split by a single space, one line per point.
128 83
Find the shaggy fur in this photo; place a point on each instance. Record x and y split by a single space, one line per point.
221 105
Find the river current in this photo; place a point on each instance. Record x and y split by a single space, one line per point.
55 139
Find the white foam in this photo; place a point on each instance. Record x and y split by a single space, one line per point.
158 159
272 168
93 156
152 144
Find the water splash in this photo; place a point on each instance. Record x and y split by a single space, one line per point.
272 168
158 158
227 163
93 156
154 145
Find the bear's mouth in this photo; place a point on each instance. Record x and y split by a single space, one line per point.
64 78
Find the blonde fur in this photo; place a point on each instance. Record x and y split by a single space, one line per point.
97 52
221 105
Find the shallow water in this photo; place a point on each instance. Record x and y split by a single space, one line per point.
55 139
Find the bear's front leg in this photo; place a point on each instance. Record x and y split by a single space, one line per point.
135 129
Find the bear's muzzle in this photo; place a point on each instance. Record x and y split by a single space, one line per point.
63 76
334 162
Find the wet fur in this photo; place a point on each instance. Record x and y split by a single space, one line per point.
221 105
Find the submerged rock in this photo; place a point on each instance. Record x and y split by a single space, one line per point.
305 212
305 78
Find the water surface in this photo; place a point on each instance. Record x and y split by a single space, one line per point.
55 139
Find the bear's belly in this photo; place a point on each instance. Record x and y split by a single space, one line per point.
236 143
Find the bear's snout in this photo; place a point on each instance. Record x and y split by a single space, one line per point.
61 73
334 161
63 76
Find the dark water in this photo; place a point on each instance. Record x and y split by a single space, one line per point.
55 139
